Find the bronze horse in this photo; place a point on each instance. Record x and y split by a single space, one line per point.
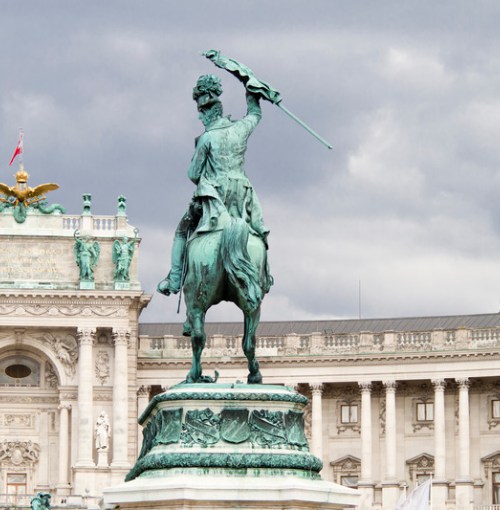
225 265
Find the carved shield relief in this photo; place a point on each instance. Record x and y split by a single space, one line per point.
234 426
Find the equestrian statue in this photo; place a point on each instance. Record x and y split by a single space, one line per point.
219 252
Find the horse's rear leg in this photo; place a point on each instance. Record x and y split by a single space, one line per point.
251 323
198 339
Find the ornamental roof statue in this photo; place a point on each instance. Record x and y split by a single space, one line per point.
21 196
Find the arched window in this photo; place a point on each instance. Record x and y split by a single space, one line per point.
19 370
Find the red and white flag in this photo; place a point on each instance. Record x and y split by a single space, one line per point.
19 147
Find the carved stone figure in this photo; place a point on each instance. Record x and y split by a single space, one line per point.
19 452
41 501
65 349
102 432
86 255
123 251
102 366
51 378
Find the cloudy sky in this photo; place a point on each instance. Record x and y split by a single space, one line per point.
406 207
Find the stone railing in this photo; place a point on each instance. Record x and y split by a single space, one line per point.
328 343
14 501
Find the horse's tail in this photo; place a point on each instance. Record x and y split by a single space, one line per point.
237 264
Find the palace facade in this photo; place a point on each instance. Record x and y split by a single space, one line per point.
392 401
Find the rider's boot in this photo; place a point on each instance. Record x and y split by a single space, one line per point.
172 283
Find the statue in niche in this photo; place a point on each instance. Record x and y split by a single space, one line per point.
50 375
102 431
102 366
86 255
123 252
41 501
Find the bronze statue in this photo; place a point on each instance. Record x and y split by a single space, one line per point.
220 246
86 256
41 501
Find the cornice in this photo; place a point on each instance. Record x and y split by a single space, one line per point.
56 296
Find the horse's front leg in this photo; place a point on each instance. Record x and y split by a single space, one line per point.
251 323
198 339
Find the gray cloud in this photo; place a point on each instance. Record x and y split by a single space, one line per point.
407 92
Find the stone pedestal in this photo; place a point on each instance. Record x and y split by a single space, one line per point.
102 458
214 446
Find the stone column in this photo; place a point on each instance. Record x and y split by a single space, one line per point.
63 487
463 482
390 486
439 483
120 399
365 484
86 338
142 402
317 420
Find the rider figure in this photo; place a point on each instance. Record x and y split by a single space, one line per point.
223 189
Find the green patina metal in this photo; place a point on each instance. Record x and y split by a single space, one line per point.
263 428
122 206
41 501
305 464
122 254
21 197
170 423
219 251
86 256
224 392
232 429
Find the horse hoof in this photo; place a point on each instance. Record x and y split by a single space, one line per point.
254 378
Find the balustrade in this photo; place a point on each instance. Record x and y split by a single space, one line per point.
328 343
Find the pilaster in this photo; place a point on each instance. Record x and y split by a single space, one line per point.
120 399
365 484
439 483
63 486
86 337
463 483
317 420
390 486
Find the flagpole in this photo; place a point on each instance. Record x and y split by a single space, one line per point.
430 494
21 137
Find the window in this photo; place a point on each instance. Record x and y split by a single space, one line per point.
496 488
422 477
420 468
16 486
495 409
349 481
349 413
425 411
346 471
19 370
